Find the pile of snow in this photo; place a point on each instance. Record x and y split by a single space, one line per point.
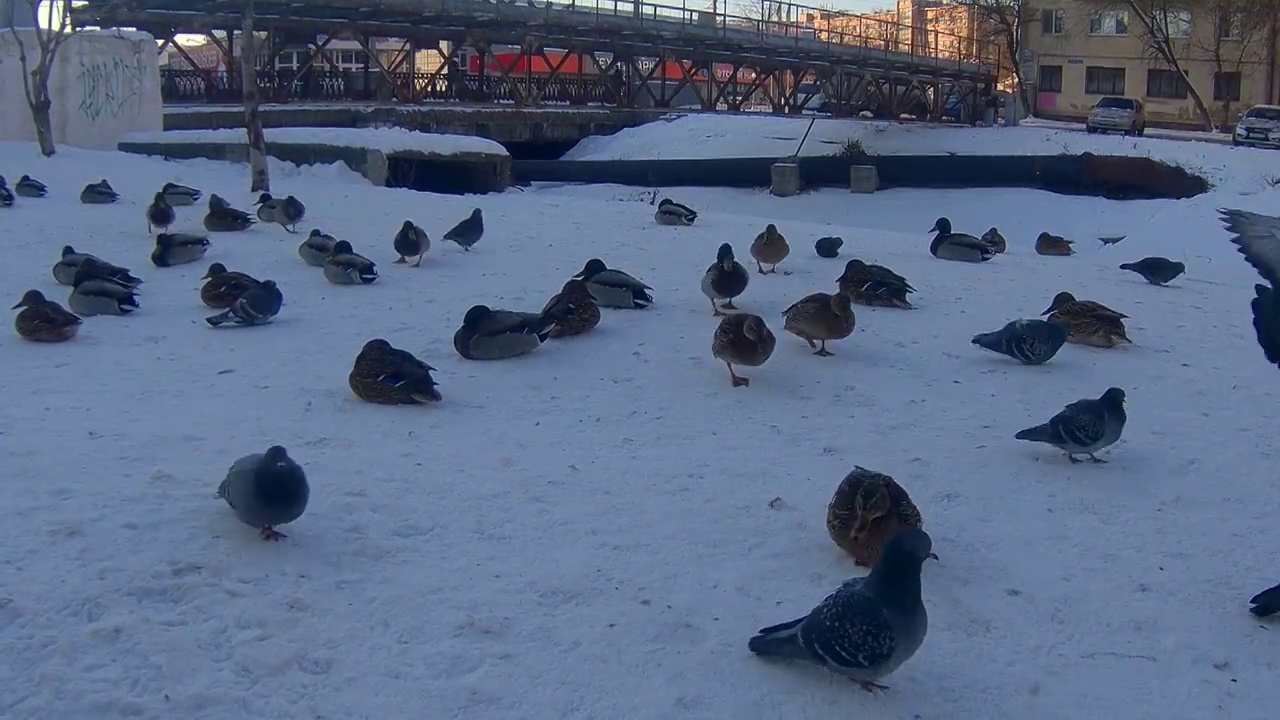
388 140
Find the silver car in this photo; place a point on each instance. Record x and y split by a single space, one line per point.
1259 126
1117 114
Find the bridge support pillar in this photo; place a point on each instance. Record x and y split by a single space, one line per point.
786 179
863 179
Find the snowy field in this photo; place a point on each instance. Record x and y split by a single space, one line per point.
588 532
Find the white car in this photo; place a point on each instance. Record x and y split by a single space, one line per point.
1259 126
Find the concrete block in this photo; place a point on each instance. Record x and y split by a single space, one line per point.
786 179
863 179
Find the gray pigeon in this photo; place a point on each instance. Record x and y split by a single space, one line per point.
1030 342
266 490
1156 270
828 247
469 231
257 306
1266 603
866 628
1258 239
1084 427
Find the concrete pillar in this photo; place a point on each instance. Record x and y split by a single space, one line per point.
863 179
786 179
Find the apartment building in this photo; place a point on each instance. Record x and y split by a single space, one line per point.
1075 53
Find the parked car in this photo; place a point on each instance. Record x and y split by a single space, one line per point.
1117 114
1259 126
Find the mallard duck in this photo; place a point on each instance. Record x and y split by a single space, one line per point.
874 285
573 309
411 242
771 248
742 339
469 231
180 195
257 306
287 212
1047 244
64 271
43 320
385 375
867 510
99 193
30 187
345 267
1087 322
488 334
828 247
160 213
673 213
224 218
1156 270
224 287
994 240
822 317
948 245
725 279
614 288
316 248
178 249
6 195
94 294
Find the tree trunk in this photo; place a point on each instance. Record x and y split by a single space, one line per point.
42 117
1201 108
260 178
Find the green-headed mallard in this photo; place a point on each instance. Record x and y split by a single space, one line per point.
64 271
316 248
180 195
573 310
30 187
160 214
386 375
99 193
345 267
670 212
178 249
224 287
224 218
994 240
614 288
488 334
468 231
1088 322
1047 244
960 247
742 339
258 305
769 248
43 320
411 242
867 510
725 279
93 293
874 285
287 211
821 317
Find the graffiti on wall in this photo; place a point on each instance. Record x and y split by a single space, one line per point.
109 87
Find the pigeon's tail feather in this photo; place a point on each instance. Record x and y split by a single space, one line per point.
225 316
1266 603
781 641
1127 266
989 341
1040 433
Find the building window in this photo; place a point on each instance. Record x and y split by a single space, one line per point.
1109 22
1169 84
1171 23
1229 25
1226 86
1051 78
1103 81
1053 22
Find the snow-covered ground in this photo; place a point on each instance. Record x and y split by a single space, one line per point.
587 532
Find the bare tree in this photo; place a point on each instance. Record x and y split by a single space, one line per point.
55 30
1003 22
260 177
1235 41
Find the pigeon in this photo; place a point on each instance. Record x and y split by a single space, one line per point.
257 306
411 242
6 195
469 231
869 626
30 187
828 247
1111 239
160 213
1266 603
1258 238
1156 270
266 490
1084 427
1030 342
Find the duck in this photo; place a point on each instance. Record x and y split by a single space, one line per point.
224 218
468 231
92 294
874 285
386 375
345 267
224 287
948 245
828 247
1047 244
178 249
6 195
64 271
822 317
266 490
30 187
99 193
771 248
316 248
180 195
994 240
160 213
742 339
287 211
573 309
411 242
1087 322
725 279
867 510
258 305
1156 270
43 320
614 288
670 212
488 334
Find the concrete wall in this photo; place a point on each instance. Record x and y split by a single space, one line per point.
104 85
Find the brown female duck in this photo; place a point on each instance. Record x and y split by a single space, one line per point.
867 510
224 287
874 285
43 320
769 248
742 339
820 317
573 309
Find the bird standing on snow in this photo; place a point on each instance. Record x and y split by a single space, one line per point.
1258 238
178 249
670 212
742 339
868 510
160 213
1266 603
287 212
469 231
43 320
257 306
30 187
769 247
614 288
959 247
1030 342
1156 270
820 317
266 490
868 627
411 242
1084 427
725 279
